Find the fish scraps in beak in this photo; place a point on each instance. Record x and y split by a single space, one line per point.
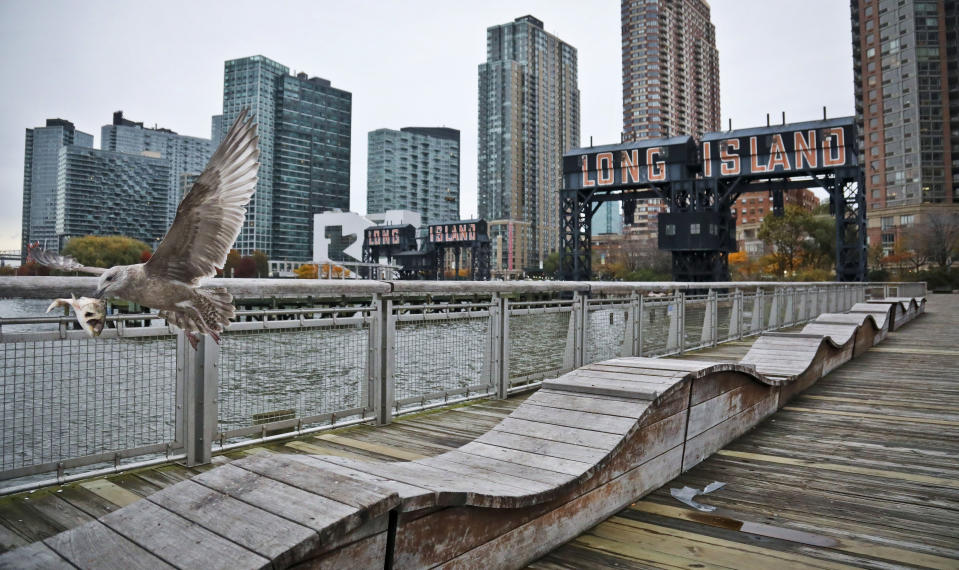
91 313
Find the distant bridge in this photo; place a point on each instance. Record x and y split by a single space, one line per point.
9 255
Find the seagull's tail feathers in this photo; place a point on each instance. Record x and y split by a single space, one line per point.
209 311
216 308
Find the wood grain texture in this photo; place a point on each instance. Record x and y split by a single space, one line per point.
506 483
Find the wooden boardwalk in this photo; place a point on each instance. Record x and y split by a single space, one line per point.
29 517
861 470
790 498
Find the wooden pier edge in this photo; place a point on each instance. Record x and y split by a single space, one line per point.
581 448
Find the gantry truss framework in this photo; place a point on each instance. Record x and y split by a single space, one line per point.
701 187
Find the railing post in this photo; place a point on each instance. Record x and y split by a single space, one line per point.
736 316
382 359
758 310
196 414
681 307
774 323
640 321
578 328
788 317
499 351
710 320
629 327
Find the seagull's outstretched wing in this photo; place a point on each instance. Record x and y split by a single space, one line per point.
60 262
210 216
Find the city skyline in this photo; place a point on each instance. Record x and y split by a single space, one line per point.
407 71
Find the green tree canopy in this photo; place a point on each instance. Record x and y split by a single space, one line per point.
232 260
788 234
106 251
262 263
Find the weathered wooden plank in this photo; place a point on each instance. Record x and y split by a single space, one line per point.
412 496
111 492
36 555
10 540
709 441
369 552
176 539
623 388
19 516
381 449
534 538
494 465
549 448
567 466
886 474
316 512
879 417
726 553
653 381
446 464
266 534
95 545
577 436
374 498
569 418
60 513
591 403
711 412
447 488
305 447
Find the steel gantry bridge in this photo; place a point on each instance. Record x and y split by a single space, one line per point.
700 182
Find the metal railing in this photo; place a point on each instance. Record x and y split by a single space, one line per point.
365 352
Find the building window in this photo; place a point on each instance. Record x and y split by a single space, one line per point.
886 222
670 229
694 229
907 220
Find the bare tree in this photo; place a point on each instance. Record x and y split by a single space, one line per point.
935 239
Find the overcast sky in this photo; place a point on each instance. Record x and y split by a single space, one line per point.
411 63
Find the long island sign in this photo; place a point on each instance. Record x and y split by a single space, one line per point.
800 148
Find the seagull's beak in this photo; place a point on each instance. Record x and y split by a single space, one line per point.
98 294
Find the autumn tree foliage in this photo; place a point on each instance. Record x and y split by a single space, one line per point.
261 262
306 271
232 260
106 251
787 234
245 268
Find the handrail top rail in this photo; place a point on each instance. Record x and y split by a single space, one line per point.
60 286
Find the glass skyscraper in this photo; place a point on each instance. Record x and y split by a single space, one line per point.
417 169
528 117
303 125
40 167
311 160
110 193
187 155
607 219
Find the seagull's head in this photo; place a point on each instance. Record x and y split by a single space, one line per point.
112 282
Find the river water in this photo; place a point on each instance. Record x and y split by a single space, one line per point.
79 397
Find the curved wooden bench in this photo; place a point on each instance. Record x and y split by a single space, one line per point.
900 310
576 451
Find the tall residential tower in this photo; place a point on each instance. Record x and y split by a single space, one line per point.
40 168
670 69
187 155
907 103
528 117
417 169
303 124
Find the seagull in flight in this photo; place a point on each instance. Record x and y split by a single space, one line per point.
207 222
